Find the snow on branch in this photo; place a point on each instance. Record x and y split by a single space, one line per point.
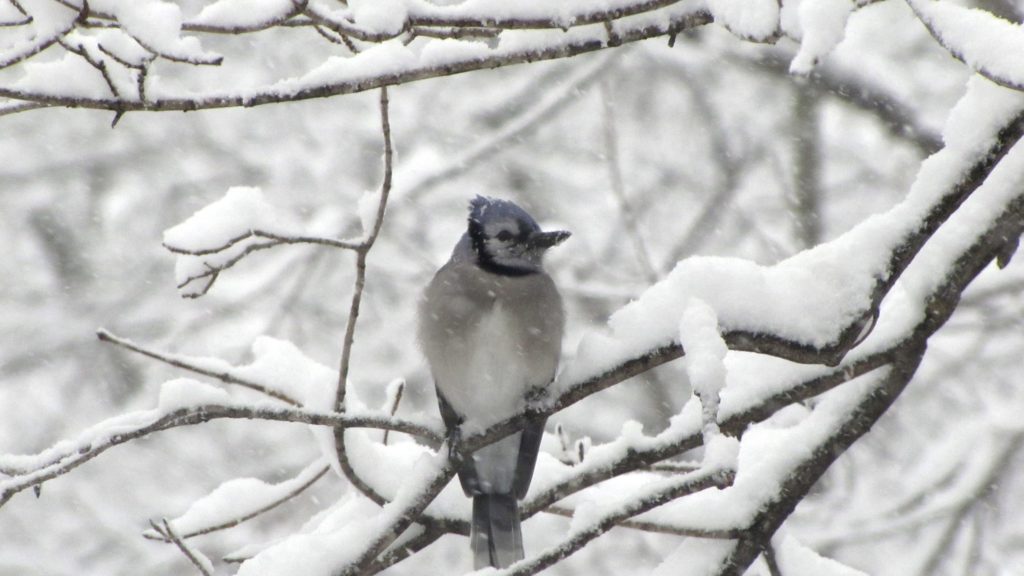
221 234
817 305
349 542
592 522
443 35
271 355
990 45
182 402
236 501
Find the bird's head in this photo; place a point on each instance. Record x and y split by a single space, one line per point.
506 239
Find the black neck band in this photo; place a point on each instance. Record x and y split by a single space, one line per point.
488 265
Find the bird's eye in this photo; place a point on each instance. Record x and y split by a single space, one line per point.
504 236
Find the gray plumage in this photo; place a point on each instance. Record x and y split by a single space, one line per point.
491 324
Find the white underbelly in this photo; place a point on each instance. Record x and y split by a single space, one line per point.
486 374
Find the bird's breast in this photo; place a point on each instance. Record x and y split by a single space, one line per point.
486 371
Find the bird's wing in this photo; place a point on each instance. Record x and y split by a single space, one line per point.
529 446
467 471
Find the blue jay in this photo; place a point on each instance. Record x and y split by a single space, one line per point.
490 327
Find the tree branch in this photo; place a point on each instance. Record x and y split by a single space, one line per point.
193 365
162 536
202 563
357 295
563 47
67 456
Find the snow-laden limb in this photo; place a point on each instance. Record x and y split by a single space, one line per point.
391 62
238 500
237 16
756 20
221 234
44 24
990 45
835 424
279 370
976 235
597 519
695 557
705 360
796 559
769 456
182 403
751 401
822 24
974 238
348 544
815 306
156 25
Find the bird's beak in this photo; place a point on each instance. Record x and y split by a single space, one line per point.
548 239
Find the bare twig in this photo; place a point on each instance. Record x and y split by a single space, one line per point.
277 239
771 560
357 294
201 562
657 527
18 107
273 239
192 365
394 406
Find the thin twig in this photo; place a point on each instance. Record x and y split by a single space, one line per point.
201 562
394 406
656 527
193 366
670 490
277 238
771 560
357 295
249 516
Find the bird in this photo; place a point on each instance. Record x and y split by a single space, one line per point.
490 326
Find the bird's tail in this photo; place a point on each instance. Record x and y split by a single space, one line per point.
496 535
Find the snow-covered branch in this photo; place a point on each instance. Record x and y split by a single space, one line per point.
211 367
27 471
126 32
976 37
237 501
596 521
